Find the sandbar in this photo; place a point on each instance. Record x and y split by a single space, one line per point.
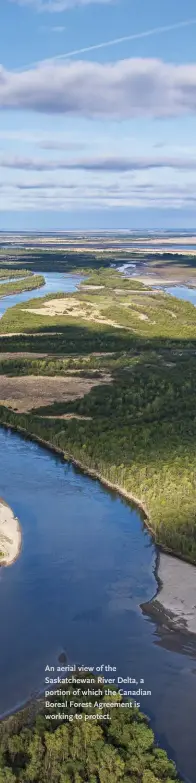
10 535
177 593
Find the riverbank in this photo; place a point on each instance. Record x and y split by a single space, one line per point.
176 578
10 535
19 286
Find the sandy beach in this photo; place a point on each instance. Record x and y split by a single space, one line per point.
10 535
155 280
177 593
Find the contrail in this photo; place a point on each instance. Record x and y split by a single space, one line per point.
104 44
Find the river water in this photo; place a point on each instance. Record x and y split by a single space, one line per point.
54 282
86 567
183 292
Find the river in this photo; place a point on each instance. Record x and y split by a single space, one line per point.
86 566
183 292
54 282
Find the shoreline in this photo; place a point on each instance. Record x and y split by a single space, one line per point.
174 603
172 572
10 535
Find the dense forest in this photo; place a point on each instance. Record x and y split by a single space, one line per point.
38 749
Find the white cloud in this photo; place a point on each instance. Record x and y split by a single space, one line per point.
57 144
100 164
53 197
55 6
128 88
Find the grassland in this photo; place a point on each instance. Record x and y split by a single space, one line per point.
137 432
16 273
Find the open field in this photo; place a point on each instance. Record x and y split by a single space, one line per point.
27 392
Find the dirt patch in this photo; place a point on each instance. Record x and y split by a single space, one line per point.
76 308
23 355
32 391
69 416
156 279
92 287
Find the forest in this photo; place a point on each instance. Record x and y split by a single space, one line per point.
37 749
139 436
140 432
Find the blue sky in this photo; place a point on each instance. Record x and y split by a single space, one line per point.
101 138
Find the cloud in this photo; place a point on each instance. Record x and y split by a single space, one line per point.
56 145
128 88
44 186
55 6
56 198
101 164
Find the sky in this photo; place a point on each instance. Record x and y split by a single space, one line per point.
97 114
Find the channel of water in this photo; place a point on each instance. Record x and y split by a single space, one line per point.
87 565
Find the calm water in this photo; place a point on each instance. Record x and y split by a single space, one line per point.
86 566
54 282
183 292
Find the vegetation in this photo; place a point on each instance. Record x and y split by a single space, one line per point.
10 273
64 260
111 279
140 437
17 286
142 427
36 748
